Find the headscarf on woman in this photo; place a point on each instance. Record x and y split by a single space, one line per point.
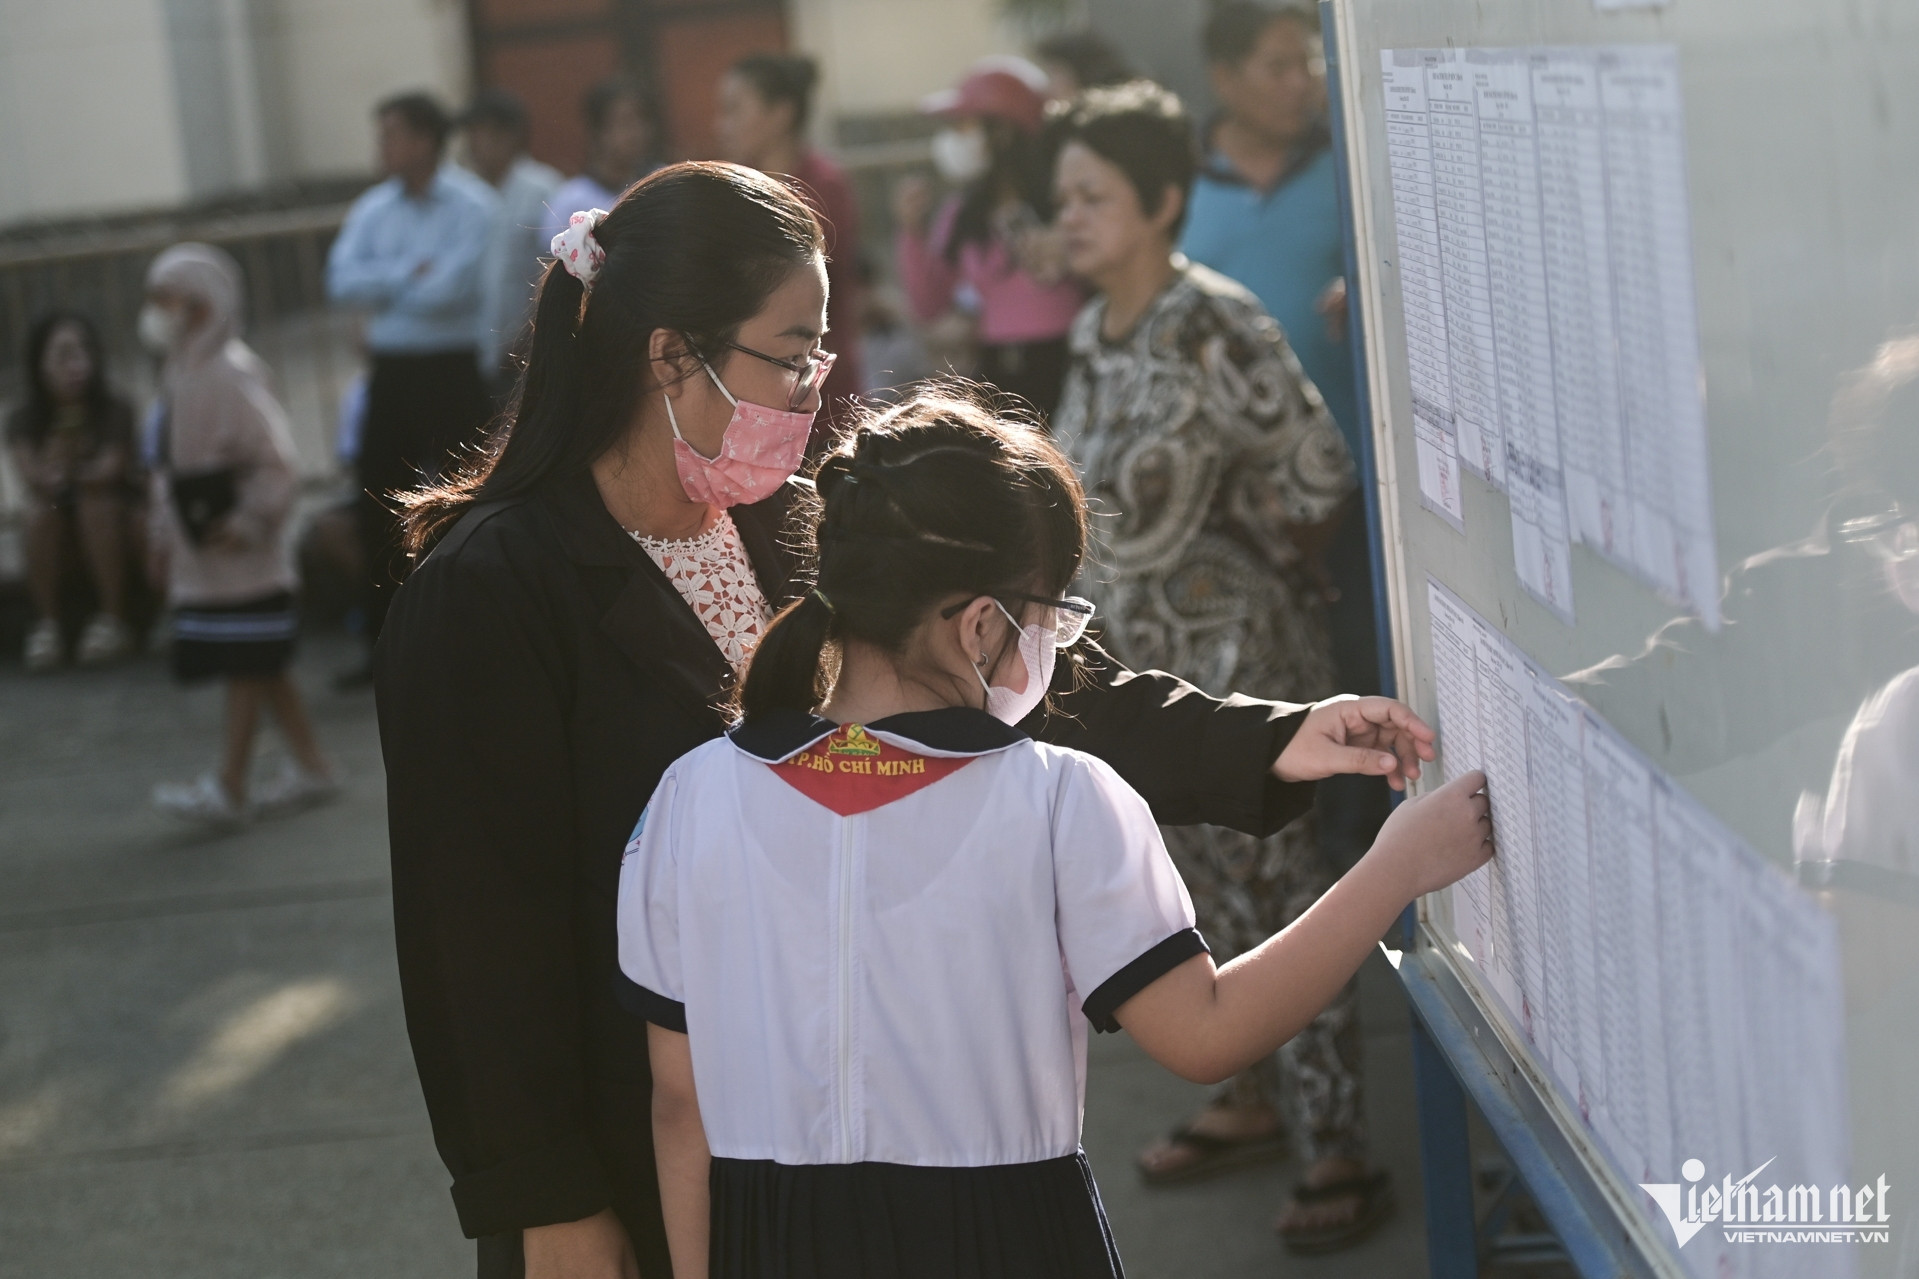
218 413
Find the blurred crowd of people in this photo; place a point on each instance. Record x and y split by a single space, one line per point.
1165 292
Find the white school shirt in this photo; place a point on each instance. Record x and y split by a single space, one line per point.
886 942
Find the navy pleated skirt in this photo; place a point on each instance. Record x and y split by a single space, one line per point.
893 1221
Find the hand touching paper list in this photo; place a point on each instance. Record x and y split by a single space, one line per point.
1372 736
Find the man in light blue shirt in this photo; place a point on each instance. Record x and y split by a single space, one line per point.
411 246
496 129
410 253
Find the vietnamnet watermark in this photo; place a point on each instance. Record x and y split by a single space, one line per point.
1795 1214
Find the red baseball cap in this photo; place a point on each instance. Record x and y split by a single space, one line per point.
1001 86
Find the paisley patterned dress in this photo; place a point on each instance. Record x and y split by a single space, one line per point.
1202 445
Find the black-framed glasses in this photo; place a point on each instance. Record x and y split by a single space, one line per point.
810 371
1071 615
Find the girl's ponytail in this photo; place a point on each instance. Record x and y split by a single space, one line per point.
787 668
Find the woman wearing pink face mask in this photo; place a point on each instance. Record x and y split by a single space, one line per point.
584 600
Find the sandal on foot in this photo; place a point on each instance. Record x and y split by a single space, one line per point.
1374 1190
1215 1155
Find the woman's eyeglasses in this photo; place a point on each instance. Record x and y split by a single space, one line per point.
810 370
1070 615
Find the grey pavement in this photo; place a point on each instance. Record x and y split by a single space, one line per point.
203 1064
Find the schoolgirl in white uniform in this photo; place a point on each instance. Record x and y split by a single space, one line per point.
871 926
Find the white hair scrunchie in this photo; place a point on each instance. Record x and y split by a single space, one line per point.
577 250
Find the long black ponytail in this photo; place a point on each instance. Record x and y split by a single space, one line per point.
694 248
936 495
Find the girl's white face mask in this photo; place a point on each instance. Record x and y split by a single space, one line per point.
1037 651
157 328
960 155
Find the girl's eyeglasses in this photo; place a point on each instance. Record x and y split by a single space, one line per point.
1070 615
811 370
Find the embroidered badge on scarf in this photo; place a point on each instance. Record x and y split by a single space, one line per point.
852 772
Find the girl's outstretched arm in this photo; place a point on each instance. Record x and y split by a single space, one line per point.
680 1151
1207 1025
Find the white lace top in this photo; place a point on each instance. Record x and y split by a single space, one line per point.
714 576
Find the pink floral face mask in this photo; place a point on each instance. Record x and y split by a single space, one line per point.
760 450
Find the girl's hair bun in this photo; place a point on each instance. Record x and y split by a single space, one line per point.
940 495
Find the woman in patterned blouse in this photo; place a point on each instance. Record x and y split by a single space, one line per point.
1219 474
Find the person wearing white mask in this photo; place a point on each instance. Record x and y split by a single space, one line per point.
585 601
988 248
223 492
871 928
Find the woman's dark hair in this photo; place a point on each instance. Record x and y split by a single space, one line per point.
1143 130
1093 61
597 105
936 496
34 419
1022 163
1235 27
420 112
693 248
782 77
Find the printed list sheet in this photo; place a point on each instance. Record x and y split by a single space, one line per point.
1539 202
1682 994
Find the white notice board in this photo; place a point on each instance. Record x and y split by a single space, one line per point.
1641 293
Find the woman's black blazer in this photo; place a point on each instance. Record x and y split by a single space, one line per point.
536 675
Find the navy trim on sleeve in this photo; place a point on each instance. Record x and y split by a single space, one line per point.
667 1014
1163 958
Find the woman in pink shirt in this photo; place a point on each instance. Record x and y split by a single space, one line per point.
989 249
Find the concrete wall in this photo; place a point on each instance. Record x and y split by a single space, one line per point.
115 105
339 57
87 114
